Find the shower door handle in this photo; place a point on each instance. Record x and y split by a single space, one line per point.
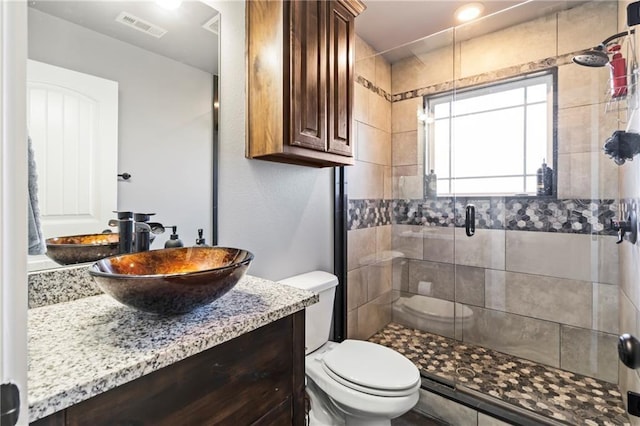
470 220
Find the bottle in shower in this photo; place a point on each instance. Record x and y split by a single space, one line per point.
618 67
544 180
431 185
548 181
540 178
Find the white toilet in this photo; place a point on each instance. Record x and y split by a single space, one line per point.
352 383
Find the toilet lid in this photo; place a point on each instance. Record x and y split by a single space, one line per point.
371 368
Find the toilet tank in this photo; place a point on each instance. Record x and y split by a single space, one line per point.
318 316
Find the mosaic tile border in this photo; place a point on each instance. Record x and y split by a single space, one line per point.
558 394
489 77
369 213
373 88
570 216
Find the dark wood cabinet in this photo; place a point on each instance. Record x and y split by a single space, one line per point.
308 82
255 379
300 81
340 82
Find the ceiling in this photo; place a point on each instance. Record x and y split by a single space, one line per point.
390 25
397 27
185 40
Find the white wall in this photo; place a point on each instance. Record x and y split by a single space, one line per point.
165 122
13 204
281 213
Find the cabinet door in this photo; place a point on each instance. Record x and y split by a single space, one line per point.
341 53
308 67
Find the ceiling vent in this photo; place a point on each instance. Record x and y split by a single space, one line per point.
140 24
213 25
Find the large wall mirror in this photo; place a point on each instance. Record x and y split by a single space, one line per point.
123 87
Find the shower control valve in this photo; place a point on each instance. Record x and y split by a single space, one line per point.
626 227
622 226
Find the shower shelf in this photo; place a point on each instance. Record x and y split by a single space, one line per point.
629 101
626 102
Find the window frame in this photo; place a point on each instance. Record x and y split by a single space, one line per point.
504 84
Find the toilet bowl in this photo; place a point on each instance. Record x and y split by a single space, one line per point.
370 384
354 383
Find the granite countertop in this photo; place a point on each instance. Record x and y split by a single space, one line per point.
84 347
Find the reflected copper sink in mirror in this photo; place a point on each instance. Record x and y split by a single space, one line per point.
171 281
82 248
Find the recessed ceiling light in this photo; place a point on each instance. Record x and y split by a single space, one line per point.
169 4
469 11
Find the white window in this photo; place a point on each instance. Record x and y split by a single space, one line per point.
491 140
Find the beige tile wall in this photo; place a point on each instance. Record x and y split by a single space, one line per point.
369 257
583 171
512 46
421 70
587 25
582 96
542 296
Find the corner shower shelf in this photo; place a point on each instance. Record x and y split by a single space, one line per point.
625 102
629 101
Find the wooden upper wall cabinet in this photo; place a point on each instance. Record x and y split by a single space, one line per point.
300 81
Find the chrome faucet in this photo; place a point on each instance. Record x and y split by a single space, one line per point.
134 231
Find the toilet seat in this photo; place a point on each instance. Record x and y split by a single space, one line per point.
350 401
370 368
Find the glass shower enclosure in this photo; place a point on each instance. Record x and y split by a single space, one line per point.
503 201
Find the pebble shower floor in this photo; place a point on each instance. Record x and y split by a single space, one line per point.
558 394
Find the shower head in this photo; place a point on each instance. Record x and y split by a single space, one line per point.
595 57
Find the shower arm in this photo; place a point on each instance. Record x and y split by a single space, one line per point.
615 36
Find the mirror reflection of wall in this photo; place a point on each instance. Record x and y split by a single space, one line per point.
72 119
165 117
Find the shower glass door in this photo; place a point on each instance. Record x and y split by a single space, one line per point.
518 146
424 209
505 264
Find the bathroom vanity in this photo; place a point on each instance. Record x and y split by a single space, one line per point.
239 360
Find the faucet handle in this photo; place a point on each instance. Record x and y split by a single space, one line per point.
156 227
124 214
142 217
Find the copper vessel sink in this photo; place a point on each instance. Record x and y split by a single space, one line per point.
171 281
81 248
